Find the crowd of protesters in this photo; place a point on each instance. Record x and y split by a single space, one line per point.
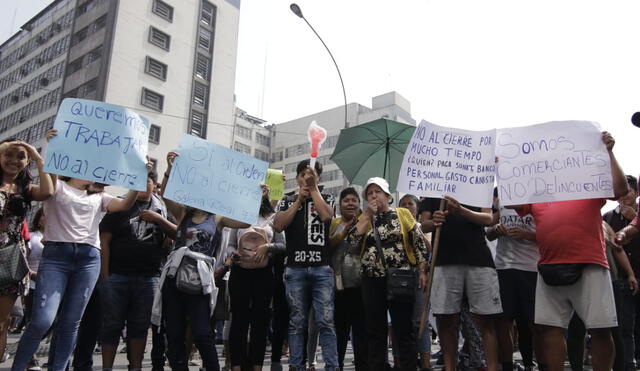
93 268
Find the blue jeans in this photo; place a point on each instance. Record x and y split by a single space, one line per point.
305 287
126 299
66 277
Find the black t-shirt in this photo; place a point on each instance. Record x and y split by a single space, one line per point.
461 241
136 247
307 235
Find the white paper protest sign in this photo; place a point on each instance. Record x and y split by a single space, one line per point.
216 179
441 161
555 161
100 142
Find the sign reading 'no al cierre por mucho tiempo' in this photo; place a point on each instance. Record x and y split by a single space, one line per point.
441 161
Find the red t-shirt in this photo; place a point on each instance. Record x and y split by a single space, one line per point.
569 231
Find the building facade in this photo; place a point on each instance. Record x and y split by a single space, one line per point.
252 136
171 61
290 144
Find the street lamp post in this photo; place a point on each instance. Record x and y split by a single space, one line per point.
297 11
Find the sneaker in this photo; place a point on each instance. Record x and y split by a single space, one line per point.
276 366
123 350
5 357
33 365
194 363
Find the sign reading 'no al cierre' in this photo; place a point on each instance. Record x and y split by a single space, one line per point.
441 161
100 142
217 179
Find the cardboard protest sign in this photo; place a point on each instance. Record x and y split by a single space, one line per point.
441 161
275 181
216 179
100 142
555 161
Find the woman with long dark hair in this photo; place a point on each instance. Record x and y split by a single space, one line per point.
198 237
70 264
16 194
345 260
251 286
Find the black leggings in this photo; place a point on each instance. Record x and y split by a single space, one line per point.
250 293
176 308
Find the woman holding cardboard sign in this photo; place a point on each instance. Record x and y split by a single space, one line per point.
187 285
70 264
16 194
251 285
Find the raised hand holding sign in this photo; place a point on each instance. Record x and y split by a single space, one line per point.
100 142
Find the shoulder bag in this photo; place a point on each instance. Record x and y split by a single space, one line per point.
14 262
187 275
401 283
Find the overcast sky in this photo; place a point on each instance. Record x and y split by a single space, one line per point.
468 64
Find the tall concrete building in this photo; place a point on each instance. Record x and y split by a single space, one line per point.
252 136
173 61
290 144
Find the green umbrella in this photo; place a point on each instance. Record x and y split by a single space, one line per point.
375 148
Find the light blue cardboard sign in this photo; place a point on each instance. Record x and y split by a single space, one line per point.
217 179
100 142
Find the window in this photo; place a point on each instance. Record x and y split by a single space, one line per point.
330 142
240 147
198 125
90 87
155 68
79 36
159 38
243 132
296 150
200 94
152 99
94 55
202 67
277 156
204 39
263 139
261 155
74 66
99 24
154 134
163 10
290 167
208 13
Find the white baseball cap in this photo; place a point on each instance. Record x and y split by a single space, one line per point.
380 182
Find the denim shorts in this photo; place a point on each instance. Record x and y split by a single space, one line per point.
126 299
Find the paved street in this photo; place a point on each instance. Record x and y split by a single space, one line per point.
121 358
